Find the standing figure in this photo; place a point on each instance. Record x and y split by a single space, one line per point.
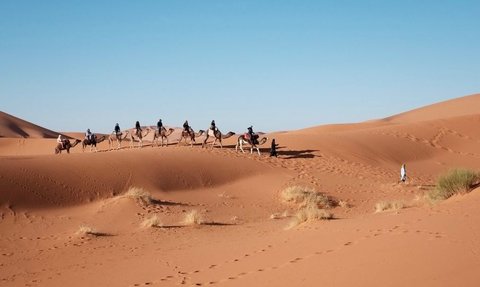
403 173
273 149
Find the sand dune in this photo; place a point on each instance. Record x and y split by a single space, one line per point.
448 109
13 127
45 198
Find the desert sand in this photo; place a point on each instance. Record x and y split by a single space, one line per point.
66 219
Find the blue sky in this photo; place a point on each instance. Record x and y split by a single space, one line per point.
276 65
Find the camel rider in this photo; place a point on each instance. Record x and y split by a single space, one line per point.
252 135
212 126
137 126
88 135
117 129
159 125
61 141
186 127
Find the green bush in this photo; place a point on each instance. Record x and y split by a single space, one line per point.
453 182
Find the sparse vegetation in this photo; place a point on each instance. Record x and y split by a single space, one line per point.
344 204
453 182
306 196
312 204
309 214
86 230
139 194
152 221
278 215
389 205
193 218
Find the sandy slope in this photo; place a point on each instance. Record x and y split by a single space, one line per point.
13 127
45 198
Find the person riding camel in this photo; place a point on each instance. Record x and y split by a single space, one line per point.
117 129
138 128
212 126
61 141
252 135
186 127
88 135
159 125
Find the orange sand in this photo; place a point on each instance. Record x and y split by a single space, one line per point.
45 198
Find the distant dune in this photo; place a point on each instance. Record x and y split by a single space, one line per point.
468 105
13 127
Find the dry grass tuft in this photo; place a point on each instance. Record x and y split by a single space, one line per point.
389 205
309 214
152 221
86 230
344 204
306 196
312 204
193 218
453 182
278 215
139 194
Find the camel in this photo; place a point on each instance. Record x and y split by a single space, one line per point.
92 142
66 146
245 139
217 134
163 133
190 134
134 134
118 138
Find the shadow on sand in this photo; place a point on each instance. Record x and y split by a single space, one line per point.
168 203
292 154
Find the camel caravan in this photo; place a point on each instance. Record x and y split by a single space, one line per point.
161 135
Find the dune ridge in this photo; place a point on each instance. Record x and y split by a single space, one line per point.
13 127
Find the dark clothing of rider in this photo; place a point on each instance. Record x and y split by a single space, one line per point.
250 131
137 126
212 126
117 129
186 127
252 135
159 125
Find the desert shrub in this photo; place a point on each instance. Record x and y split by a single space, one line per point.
139 194
193 218
86 230
453 182
389 205
306 196
152 221
310 213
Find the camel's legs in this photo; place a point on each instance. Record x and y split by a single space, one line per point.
241 146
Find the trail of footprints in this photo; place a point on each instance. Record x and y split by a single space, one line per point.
435 141
186 277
